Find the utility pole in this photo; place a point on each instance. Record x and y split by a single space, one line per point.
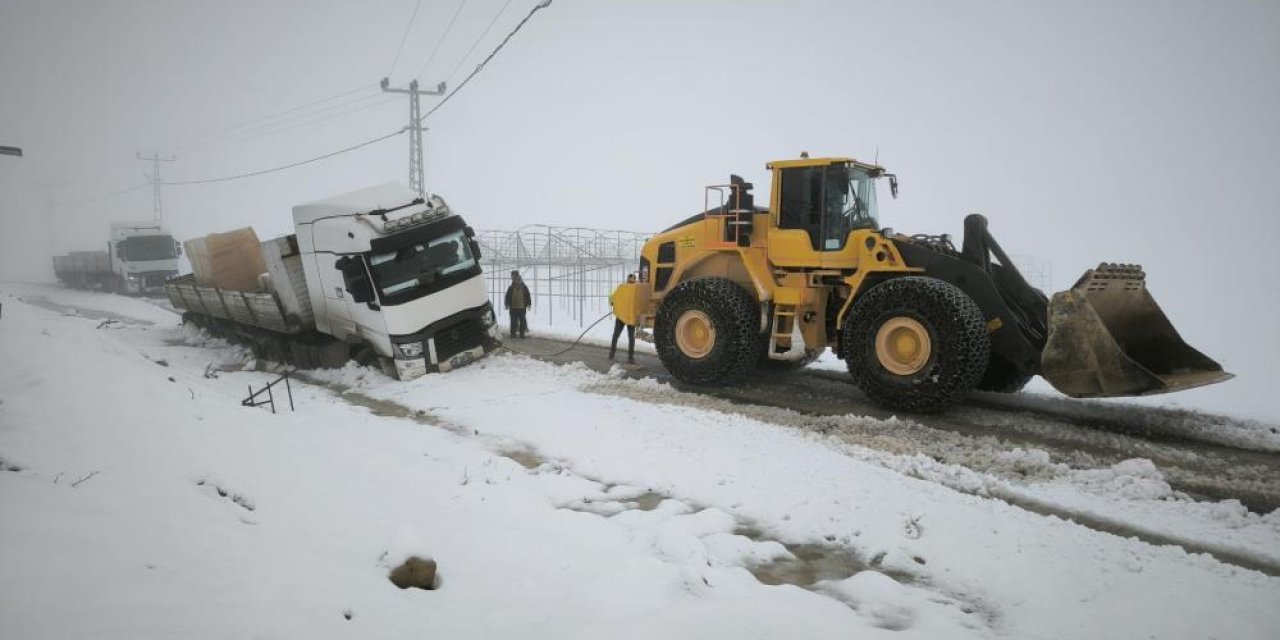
155 161
417 179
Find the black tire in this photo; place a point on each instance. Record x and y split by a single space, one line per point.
733 315
957 332
1003 377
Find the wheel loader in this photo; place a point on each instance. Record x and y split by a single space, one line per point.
919 322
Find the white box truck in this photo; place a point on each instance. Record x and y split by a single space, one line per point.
140 256
376 274
143 255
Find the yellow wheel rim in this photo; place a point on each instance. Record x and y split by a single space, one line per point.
903 346
695 334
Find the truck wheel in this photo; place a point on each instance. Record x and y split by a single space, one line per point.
1003 377
915 343
707 331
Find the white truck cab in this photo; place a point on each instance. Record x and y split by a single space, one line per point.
143 255
402 275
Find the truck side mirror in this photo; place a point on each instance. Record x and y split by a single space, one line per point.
475 250
471 233
177 248
355 279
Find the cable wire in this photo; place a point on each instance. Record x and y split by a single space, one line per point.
267 133
564 350
288 166
74 203
541 5
202 138
454 71
407 27
444 37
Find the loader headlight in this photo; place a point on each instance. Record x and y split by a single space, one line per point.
409 349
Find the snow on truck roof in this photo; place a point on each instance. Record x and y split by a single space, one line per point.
383 196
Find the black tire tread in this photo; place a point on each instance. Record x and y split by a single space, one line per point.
736 317
961 346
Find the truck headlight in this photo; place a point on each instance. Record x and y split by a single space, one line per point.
409 349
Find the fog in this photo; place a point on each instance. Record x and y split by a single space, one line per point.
1087 131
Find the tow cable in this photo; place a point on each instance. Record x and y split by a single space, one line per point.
562 351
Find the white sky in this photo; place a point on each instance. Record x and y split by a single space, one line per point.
1086 131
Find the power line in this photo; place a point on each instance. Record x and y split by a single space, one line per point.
214 133
267 133
475 44
253 130
444 37
541 5
404 37
76 203
291 165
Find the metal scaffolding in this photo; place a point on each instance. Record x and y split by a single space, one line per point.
570 271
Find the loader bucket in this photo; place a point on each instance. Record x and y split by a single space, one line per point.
1108 338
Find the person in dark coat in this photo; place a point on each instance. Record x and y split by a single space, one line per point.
517 302
618 324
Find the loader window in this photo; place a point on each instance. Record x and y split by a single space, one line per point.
828 202
801 199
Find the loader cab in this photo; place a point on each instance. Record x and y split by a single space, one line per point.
817 207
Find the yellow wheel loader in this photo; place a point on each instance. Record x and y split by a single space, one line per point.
919 322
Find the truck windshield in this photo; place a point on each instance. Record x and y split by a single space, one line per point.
407 268
149 248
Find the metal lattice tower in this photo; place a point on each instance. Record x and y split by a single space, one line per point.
155 161
417 172
571 270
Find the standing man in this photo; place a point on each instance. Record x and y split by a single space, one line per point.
617 329
517 302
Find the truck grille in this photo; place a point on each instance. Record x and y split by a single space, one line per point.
456 338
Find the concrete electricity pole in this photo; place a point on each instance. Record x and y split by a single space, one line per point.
155 161
417 179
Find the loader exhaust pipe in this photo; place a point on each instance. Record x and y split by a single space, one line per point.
1108 338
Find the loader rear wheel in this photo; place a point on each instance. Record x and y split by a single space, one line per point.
1003 377
707 331
916 344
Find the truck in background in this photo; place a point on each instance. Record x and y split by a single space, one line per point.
143 255
140 256
374 275
84 270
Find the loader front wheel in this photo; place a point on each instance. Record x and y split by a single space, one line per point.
916 344
706 331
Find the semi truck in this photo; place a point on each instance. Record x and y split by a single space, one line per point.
143 255
140 256
380 275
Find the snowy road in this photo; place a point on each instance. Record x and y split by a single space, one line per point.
573 501
1204 456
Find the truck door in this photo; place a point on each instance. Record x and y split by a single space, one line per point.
337 315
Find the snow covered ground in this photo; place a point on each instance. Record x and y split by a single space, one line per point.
141 500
